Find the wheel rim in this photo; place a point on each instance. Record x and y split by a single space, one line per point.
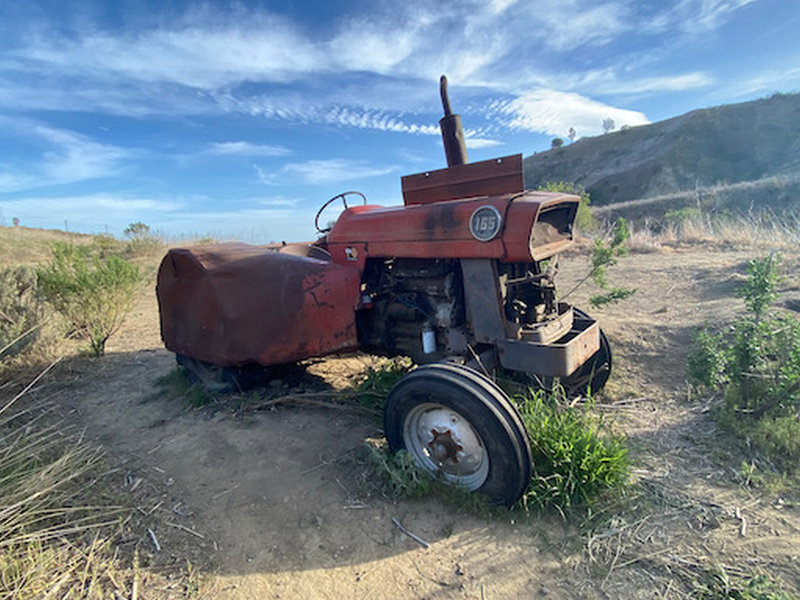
442 441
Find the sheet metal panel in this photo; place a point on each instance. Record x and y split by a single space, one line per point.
233 304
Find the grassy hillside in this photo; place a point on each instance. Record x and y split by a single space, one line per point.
752 141
24 245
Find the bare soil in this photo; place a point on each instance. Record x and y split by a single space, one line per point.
273 504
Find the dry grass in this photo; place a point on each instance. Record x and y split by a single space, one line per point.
764 231
26 246
62 522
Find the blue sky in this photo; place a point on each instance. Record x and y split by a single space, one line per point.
239 119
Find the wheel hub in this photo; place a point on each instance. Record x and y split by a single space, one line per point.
444 442
443 447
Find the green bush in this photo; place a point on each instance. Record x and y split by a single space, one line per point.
19 309
379 379
760 289
678 216
707 362
141 240
605 255
576 457
400 473
105 245
92 293
719 585
755 366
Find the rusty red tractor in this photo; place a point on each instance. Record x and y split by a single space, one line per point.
459 278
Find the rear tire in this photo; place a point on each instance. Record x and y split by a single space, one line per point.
459 425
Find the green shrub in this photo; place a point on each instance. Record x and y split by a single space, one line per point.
605 255
92 293
141 240
760 289
755 366
717 584
576 457
707 361
105 245
379 380
678 216
400 473
19 309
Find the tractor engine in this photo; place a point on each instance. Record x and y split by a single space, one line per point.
408 301
416 307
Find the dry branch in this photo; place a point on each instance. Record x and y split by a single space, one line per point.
310 399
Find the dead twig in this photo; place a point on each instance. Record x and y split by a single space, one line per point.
309 399
743 521
223 492
154 539
186 529
416 538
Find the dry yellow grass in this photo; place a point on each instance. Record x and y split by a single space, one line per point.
23 245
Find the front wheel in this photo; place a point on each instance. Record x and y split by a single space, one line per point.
459 425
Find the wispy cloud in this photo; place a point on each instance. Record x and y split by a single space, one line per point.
293 109
555 112
207 60
274 201
768 82
64 157
610 81
692 16
324 171
245 149
476 142
565 24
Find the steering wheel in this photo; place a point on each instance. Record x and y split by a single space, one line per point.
343 197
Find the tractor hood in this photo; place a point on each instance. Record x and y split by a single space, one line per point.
521 227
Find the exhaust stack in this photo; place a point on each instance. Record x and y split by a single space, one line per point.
455 147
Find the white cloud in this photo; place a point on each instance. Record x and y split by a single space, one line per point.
608 81
323 171
693 16
67 157
708 14
566 24
205 56
294 109
209 60
274 201
554 112
245 149
767 82
475 143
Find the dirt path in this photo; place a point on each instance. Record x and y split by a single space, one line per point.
271 504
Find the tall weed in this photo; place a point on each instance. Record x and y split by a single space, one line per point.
45 513
20 312
755 366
